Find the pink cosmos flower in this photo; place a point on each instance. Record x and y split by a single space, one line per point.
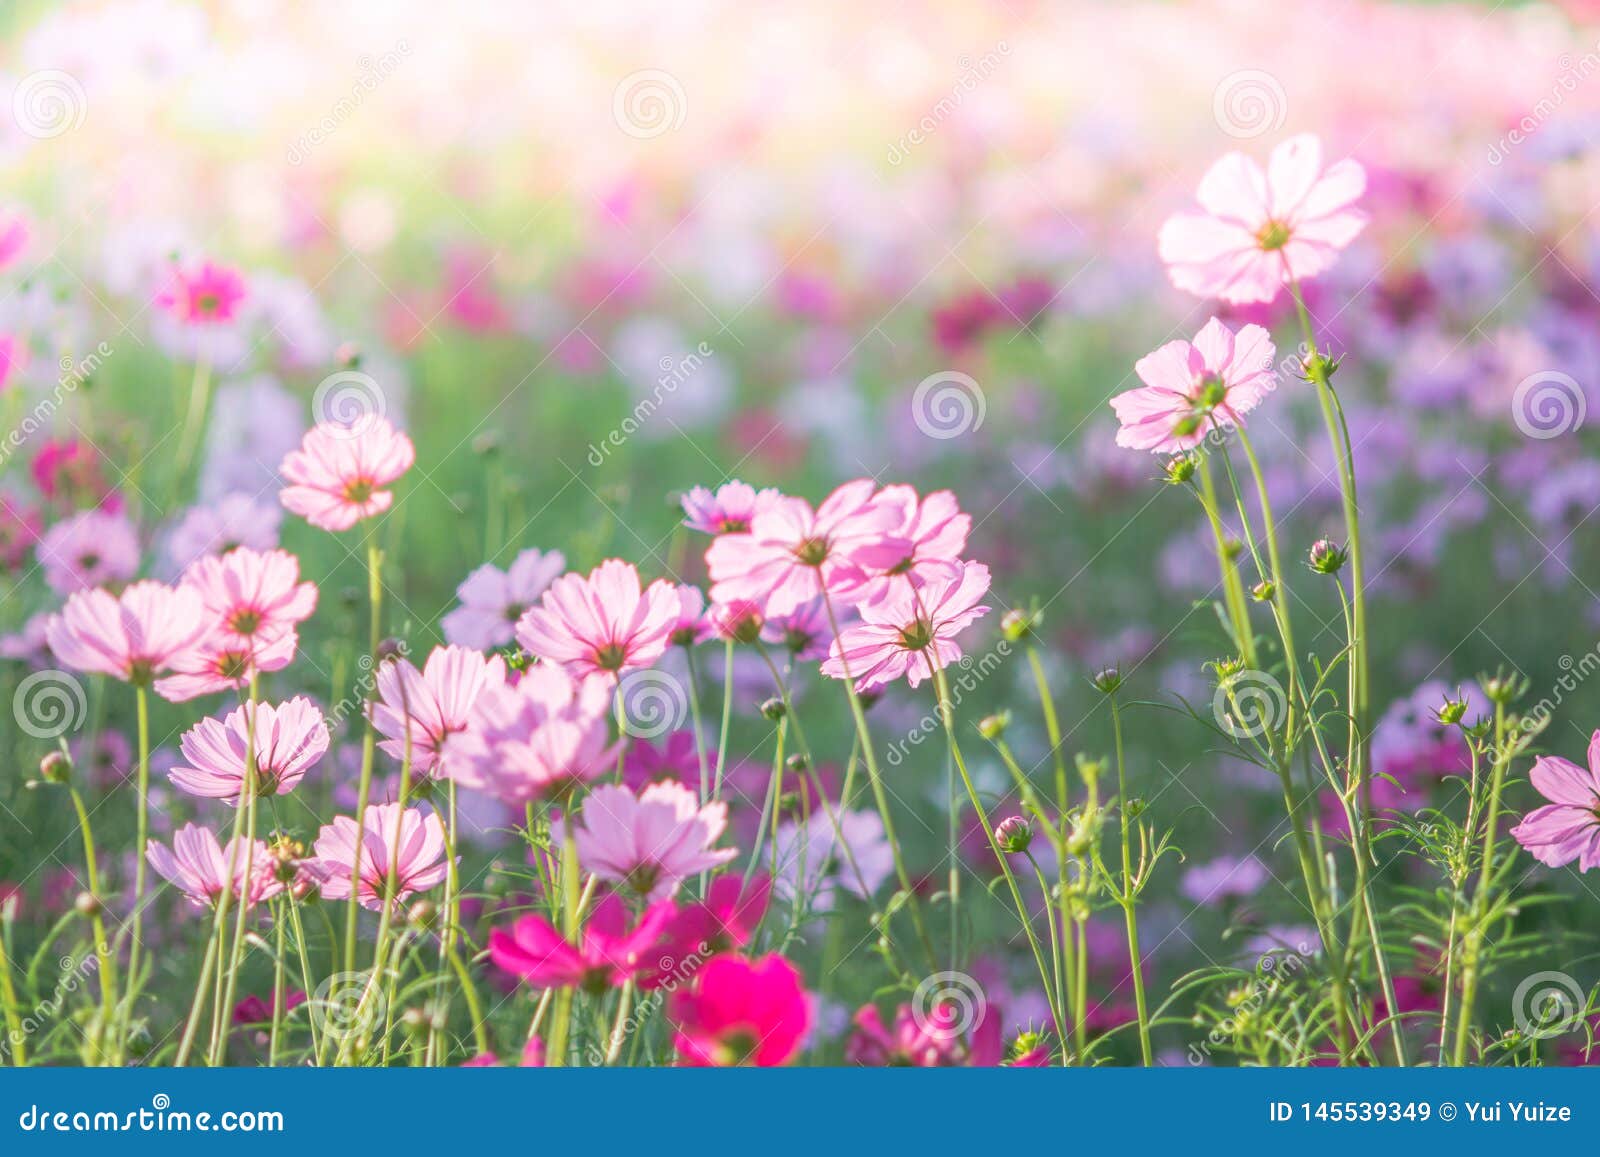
740 621
1189 389
806 631
730 510
223 661
1224 877
742 1012
935 535
13 236
68 473
792 554
253 593
603 624
651 842
199 867
420 865
1568 827
337 476
233 521
692 625
19 531
91 549
1261 230
290 739
132 637
937 1038
492 600
910 630
609 952
725 920
535 739
206 294
433 704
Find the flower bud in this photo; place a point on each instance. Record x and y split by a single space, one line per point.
1013 835
56 767
774 709
1108 680
1501 688
994 726
1017 624
1451 711
423 914
1179 469
797 763
391 648
1326 556
88 904
1263 591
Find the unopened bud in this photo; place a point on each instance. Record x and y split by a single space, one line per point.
1014 835
88 904
1326 556
56 767
1263 591
1017 624
797 763
994 726
1180 469
774 709
1107 680
422 914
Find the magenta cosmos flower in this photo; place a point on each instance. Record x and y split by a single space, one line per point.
290 739
726 919
910 633
742 1012
1262 230
730 510
90 549
792 554
337 476
1190 389
492 600
433 704
420 864
204 294
650 843
535 739
1568 827
603 624
133 637
199 867
608 953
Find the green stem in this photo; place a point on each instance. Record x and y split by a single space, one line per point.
368 743
102 947
1129 898
141 837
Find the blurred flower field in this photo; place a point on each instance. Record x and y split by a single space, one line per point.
944 534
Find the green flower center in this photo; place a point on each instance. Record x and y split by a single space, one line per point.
812 551
917 636
1272 236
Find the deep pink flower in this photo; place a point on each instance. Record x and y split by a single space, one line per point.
290 739
204 294
678 757
909 631
492 600
1261 230
337 476
199 867
436 702
730 510
19 532
725 920
91 549
13 236
1568 827
252 594
132 637
1191 389
420 864
12 356
609 952
742 1012
651 842
255 1009
950 1033
68 473
603 624
792 554
535 739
